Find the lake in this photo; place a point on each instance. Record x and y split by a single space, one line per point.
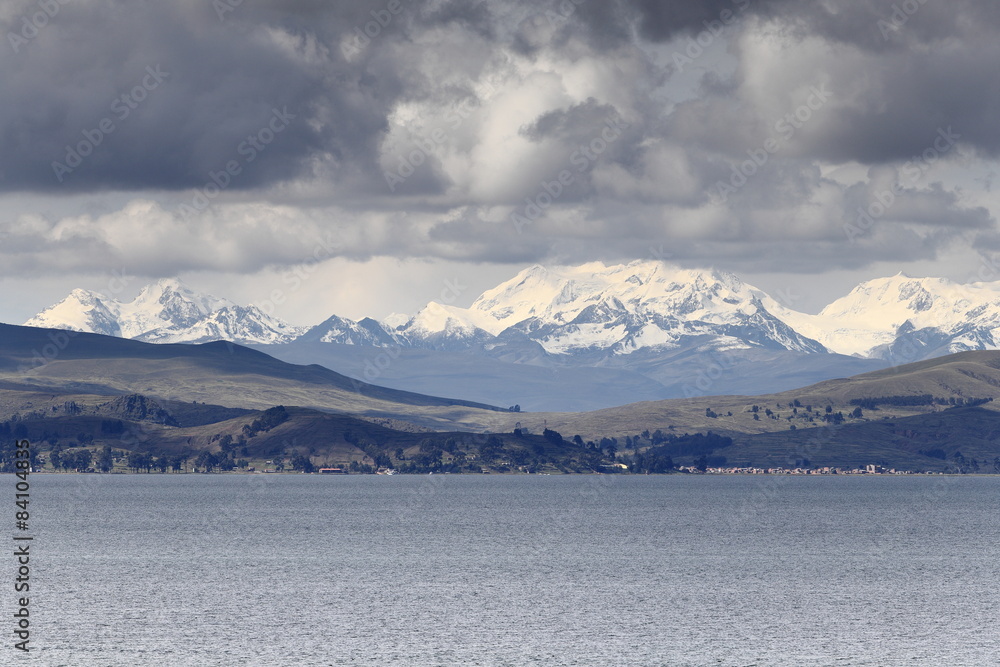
510 570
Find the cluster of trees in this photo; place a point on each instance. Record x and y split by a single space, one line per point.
79 460
301 462
654 460
210 462
698 446
268 419
872 402
136 461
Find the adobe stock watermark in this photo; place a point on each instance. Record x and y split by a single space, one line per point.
223 7
911 173
325 248
362 35
719 364
121 108
901 13
33 23
555 17
60 340
785 129
987 271
697 45
378 364
247 151
583 158
425 146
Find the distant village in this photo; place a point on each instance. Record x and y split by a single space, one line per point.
869 469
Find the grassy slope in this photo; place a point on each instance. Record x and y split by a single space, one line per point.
975 432
966 375
219 373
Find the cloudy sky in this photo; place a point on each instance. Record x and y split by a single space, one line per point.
352 157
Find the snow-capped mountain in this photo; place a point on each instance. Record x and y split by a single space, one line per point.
166 311
616 309
589 313
365 332
914 317
82 310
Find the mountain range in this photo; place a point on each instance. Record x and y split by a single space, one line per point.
560 336
166 311
72 390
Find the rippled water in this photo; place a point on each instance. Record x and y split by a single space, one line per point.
495 570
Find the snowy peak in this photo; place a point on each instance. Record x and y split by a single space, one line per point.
594 311
594 307
869 320
166 311
82 310
169 293
560 294
902 319
439 326
167 304
341 330
901 294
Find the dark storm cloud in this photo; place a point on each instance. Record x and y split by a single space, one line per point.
228 70
224 78
909 69
872 24
358 87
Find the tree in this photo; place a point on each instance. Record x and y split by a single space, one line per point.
83 459
300 462
206 460
105 461
492 449
552 436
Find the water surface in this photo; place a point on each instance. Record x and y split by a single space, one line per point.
512 570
